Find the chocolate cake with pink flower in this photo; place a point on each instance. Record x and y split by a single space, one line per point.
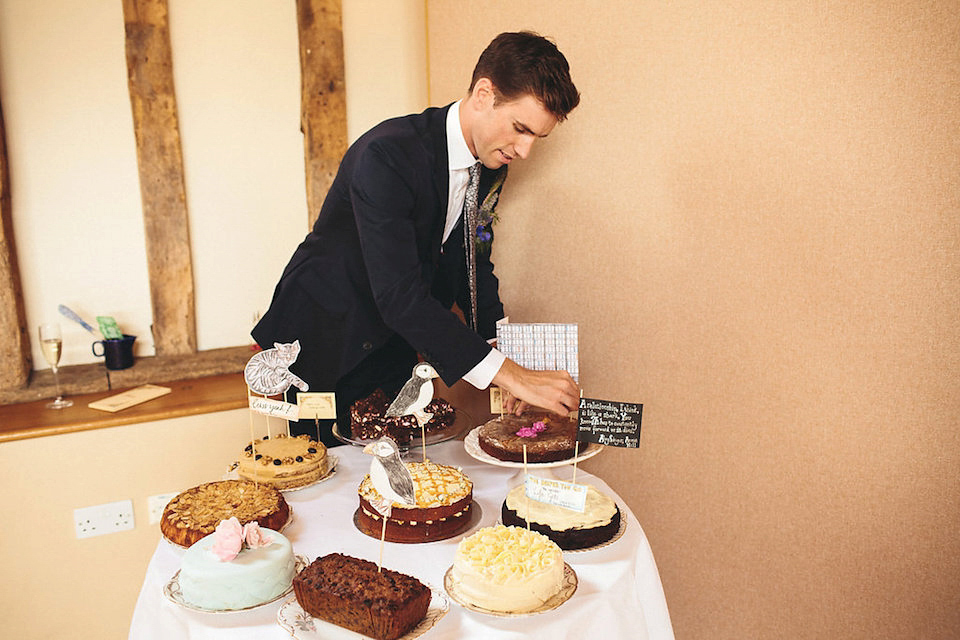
547 437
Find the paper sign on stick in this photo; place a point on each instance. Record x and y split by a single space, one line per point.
316 405
556 492
610 423
274 408
496 400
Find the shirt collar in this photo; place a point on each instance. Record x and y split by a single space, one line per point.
458 153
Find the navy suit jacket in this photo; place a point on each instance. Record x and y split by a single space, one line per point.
372 268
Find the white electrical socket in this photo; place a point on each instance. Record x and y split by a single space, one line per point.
156 504
103 518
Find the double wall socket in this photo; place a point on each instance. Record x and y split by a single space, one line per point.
156 504
103 518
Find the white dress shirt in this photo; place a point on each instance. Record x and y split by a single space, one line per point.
459 161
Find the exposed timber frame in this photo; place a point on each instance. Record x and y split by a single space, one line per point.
159 157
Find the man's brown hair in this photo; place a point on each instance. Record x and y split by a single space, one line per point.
525 63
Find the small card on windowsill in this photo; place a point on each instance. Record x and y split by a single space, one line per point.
129 398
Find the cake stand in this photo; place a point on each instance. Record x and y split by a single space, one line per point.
548 470
461 422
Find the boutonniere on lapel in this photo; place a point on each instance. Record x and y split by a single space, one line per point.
486 214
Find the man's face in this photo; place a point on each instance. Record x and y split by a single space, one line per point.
507 131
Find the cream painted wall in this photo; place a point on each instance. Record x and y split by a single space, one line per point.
754 216
75 188
86 589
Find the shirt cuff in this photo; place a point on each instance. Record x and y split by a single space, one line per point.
482 374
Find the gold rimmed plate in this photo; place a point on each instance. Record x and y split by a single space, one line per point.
567 588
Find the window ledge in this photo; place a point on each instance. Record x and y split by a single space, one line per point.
204 382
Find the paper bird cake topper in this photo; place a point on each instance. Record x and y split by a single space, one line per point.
416 394
390 476
267 372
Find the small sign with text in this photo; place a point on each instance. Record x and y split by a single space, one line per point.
606 422
557 492
274 408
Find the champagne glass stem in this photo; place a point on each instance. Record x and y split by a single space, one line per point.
56 381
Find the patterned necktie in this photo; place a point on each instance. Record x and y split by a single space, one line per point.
470 207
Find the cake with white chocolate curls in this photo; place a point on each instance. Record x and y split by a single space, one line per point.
547 437
283 462
570 529
368 420
196 512
507 569
444 498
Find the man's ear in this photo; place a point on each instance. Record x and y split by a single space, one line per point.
483 92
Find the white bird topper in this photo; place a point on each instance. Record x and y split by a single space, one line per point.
416 394
390 476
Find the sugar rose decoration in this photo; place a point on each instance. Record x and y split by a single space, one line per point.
532 430
230 538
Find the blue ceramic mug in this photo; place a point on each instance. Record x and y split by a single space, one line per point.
116 354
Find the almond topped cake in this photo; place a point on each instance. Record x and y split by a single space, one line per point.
196 512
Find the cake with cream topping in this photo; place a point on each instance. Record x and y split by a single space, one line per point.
507 569
570 529
444 498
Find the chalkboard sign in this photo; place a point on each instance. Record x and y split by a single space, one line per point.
607 422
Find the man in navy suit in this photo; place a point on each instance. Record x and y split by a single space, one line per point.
373 284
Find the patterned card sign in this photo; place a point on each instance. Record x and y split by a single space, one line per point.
556 492
541 346
616 424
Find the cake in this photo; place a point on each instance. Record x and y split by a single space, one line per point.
368 422
258 572
547 436
507 570
283 462
196 512
352 593
444 498
570 529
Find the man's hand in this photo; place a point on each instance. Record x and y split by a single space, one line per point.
552 390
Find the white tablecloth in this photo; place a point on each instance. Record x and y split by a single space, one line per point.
618 594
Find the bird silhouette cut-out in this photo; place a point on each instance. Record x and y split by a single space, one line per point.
389 475
415 395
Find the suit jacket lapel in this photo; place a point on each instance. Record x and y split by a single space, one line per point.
437 131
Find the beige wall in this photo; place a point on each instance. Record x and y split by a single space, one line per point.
754 216
769 263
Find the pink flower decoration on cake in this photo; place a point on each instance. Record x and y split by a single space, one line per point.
532 430
228 539
254 537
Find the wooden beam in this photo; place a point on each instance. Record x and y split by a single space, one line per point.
160 161
14 334
323 99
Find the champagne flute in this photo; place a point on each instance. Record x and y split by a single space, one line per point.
51 344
